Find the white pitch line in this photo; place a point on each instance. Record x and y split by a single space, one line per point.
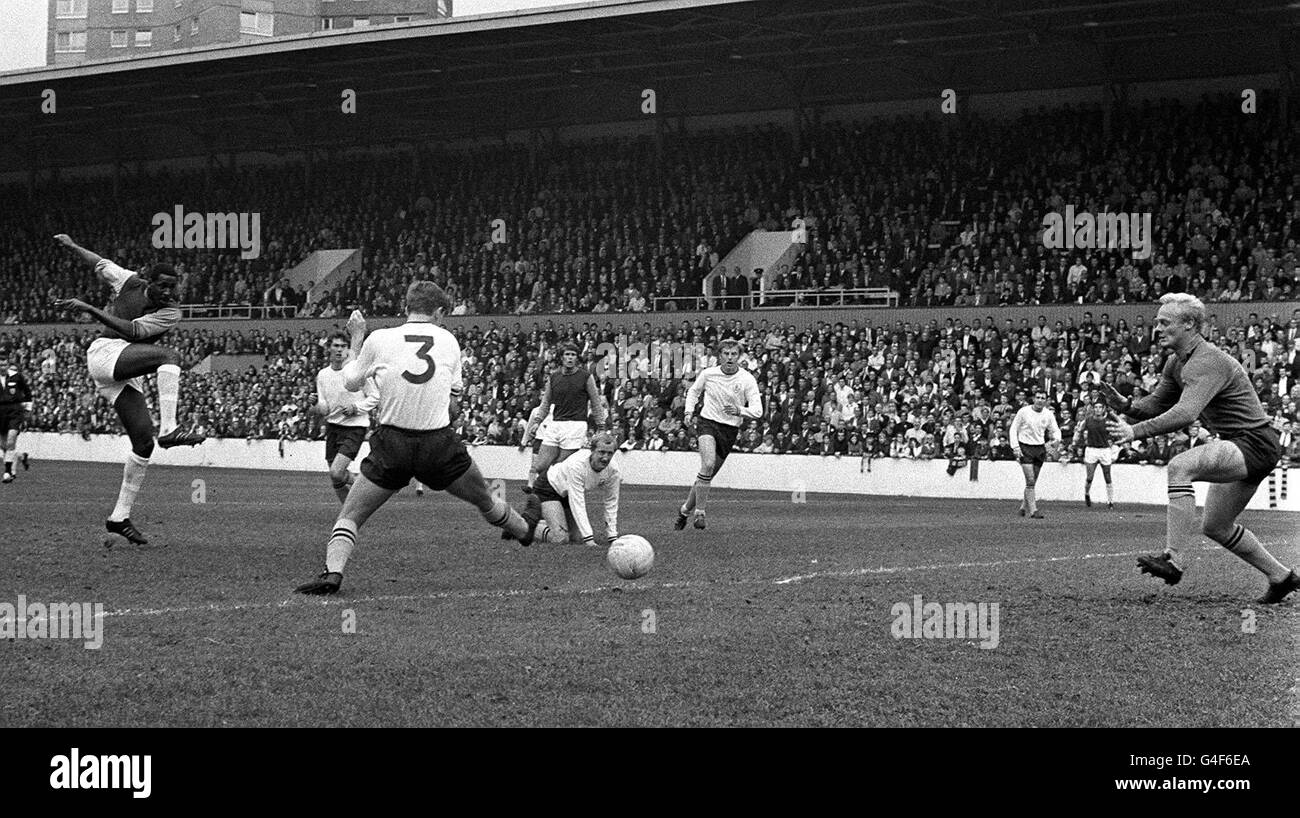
503 593
857 572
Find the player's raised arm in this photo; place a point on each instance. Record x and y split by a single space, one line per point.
92 259
1200 384
363 365
370 396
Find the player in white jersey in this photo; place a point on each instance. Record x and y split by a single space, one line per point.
417 368
1034 437
725 395
346 413
562 493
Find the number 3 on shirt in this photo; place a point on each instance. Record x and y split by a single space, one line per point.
426 344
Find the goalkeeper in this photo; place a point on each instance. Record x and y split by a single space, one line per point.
1035 436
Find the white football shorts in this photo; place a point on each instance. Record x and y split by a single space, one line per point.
565 434
101 359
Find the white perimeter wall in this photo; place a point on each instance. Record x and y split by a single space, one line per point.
786 473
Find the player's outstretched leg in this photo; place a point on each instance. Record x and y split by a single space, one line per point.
137 360
134 414
1222 506
363 499
473 489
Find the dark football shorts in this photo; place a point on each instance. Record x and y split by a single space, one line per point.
436 458
11 420
546 492
723 434
1031 453
344 440
1262 448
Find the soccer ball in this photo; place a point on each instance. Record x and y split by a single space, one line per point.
630 556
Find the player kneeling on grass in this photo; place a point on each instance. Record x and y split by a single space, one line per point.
562 491
417 369
1202 381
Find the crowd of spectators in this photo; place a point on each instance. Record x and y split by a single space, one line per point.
943 212
947 389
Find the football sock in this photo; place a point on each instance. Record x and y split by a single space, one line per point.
701 491
1030 503
1246 545
1087 487
9 462
342 540
506 518
1110 493
132 479
1181 527
341 489
169 389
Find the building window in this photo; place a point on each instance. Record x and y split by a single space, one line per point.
144 5
143 39
404 18
361 22
65 9
326 23
70 41
121 6
176 33
117 39
194 26
257 22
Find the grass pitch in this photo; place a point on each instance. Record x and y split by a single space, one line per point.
778 614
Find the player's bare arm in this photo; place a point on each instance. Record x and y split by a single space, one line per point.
597 404
129 330
90 257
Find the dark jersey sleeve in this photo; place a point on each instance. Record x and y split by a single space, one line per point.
1203 378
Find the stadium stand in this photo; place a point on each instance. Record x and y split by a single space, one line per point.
947 389
941 217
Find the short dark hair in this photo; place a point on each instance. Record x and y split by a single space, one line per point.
161 273
425 297
338 336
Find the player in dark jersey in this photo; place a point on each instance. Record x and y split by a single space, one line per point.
571 390
15 403
1093 437
143 310
1200 380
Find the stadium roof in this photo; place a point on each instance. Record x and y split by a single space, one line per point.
486 75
